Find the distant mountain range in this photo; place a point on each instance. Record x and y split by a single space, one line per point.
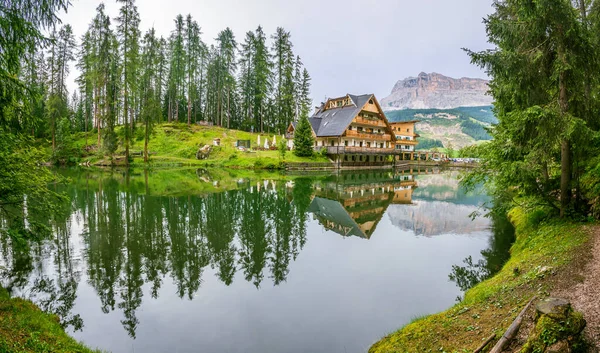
436 91
451 112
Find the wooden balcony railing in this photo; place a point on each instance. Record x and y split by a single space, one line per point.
358 150
373 122
407 142
369 136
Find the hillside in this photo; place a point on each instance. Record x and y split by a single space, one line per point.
175 144
456 128
436 91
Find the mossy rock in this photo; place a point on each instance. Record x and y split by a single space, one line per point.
558 329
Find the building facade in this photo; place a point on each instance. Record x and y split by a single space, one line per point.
353 129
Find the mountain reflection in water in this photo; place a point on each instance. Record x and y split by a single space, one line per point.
122 237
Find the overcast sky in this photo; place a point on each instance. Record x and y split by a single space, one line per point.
348 46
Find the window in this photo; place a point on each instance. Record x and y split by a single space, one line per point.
406 130
332 143
345 142
370 101
359 129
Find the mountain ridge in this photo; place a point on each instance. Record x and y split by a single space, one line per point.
437 91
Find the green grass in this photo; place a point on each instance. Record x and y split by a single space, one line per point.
491 306
25 328
174 144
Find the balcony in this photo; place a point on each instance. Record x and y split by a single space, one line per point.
407 142
369 135
370 122
359 150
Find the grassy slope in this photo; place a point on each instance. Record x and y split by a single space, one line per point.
491 306
176 145
25 328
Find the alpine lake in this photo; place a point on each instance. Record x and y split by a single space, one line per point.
194 260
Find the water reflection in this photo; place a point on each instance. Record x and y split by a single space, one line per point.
493 258
127 234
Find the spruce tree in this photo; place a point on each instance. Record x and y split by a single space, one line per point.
129 34
303 138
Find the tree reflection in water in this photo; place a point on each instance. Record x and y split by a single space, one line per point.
124 233
503 236
131 238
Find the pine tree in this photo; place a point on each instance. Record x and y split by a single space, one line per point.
284 79
176 69
128 33
262 67
303 138
247 80
540 78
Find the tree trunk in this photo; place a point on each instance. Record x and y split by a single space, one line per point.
565 176
565 147
125 123
228 110
53 133
146 141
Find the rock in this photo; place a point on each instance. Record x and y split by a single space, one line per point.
434 90
559 347
204 152
558 329
555 308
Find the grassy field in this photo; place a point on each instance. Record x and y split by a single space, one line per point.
540 255
176 145
25 328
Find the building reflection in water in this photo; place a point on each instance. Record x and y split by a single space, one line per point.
352 204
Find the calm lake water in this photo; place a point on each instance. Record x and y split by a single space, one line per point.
214 261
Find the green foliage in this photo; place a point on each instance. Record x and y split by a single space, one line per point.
27 329
482 114
428 144
303 139
473 151
475 130
282 148
544 80
23 188
548 331
65 152
109 141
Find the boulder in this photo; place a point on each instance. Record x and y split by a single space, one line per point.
558 328
204 152
556 308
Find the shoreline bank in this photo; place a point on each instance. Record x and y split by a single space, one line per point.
543 260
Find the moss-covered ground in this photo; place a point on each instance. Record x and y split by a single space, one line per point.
25 328
539 257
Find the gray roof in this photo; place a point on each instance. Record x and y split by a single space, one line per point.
330 210
333 122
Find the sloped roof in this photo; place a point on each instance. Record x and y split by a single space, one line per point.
333 211
334 121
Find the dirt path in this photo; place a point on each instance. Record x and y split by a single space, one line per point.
585 295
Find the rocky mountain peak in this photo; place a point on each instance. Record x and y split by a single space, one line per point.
434 90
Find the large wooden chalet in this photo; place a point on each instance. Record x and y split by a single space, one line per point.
353 129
